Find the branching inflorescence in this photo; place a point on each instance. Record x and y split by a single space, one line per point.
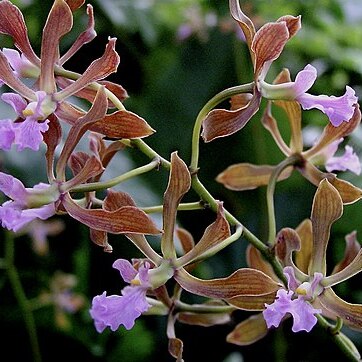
286 274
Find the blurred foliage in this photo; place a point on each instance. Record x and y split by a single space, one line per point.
169 78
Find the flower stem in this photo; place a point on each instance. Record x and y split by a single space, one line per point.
341 340
218 98
187 206
97 186
203 308
291 160
20 296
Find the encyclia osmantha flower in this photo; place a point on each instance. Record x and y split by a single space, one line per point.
302 253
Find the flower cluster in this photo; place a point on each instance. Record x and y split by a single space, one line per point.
286 274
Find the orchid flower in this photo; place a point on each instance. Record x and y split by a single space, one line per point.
245 176
265 46
309 290
338 109
147 279
36 107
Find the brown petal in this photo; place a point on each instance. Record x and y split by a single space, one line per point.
327 208
205 319
186 239
222 123
99 69
249 331
127 219
85 37
12 23
255 260
77 160
116 200
52 138
91 168
214 234
75 4
245 176
90 92
175 347
252 302
348 192
247 282
240 101
178 184
270 123
97 111
59 23
68 113
331 133
123 124
351 314
287 241
8 77
294 115
353 268
302 257
268 43
352 249
100 238
293 24
245 23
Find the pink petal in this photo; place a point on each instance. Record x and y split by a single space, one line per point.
348 161
128 272
28 134
7 134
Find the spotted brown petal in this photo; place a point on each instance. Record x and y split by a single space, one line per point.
77 160
248 331
326 209
123 124
127 219
98 69
222 123
175 348
243 282
178 184
246 176
12 23
213 235
351 314
59 23
268 43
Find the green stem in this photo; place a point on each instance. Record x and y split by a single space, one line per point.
344 343
96 186
214 101
20 296
202 308
187 206
291 160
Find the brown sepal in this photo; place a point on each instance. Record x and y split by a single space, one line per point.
248 331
